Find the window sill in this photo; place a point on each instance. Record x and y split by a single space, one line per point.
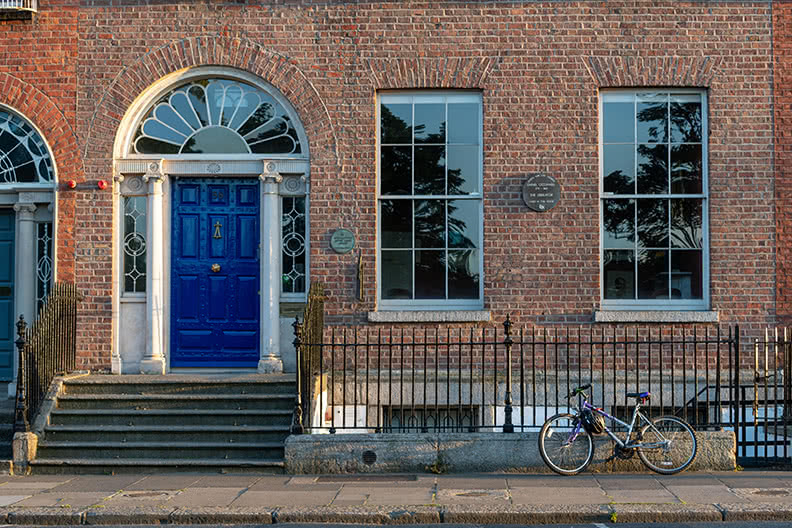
656 316
427 316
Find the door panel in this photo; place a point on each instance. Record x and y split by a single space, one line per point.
7 319
215 273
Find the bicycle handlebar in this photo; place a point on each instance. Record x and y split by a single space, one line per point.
579 390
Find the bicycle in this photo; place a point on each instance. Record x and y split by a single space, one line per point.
666 445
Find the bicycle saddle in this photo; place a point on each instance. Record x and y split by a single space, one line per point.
641 395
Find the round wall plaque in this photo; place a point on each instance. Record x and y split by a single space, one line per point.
342 241
541 192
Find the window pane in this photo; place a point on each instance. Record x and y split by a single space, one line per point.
396 223
430 170
397 274
652 169
293 245
619 168
396 170
463 123
652 119
619 224
686 169
430 123
686 274
618 125
653 223
430 217
463 223
686 221
685 118
396 123
619 268
134 245
463 274
463 169
430 274
653 274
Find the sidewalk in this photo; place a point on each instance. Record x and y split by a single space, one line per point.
392 499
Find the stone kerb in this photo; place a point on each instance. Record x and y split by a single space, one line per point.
469 452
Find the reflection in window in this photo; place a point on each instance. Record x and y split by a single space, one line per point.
654 196
293 245
134 244
24 158
430 198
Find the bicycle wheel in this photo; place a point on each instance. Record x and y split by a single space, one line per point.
674 446
564 454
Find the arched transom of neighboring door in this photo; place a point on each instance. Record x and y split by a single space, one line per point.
211 168
27 198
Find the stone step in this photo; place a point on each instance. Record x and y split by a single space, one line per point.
162 450
170 417
169 401
154 433
108 466
176 384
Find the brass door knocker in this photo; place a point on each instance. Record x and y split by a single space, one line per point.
217 227
215 268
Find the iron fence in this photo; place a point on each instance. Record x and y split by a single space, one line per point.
46 348
499 379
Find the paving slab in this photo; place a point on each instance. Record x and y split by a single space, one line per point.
707 494
351 497
400 497
539 514
135 515
164 482
206 497
756 512
479 483
537 496
623 482
226 481
46 516
751 481
643 496
140 498
32 487
270 483
687 479
87 483
7 500
260 499
384 481
668 513
552 481
64 500
765 495
472 497
208 515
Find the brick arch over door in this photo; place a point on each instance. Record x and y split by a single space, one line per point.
35 106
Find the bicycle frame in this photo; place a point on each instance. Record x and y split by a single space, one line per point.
627 443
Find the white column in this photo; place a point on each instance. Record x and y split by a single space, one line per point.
153 359
270 358
118 261
26 269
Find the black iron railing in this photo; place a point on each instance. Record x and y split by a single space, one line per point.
310 331
488 379
46 348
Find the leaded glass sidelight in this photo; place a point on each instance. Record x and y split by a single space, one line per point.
24 157
217 116
293 245
430 207
654 195
134 244
44 262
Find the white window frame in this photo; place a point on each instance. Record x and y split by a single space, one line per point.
297 296
654 304
432 96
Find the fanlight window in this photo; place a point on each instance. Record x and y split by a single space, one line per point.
24 158
217 116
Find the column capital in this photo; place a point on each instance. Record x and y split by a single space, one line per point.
117 176
25 210
270 174
154 172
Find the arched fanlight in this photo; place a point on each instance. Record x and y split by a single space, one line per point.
24 157
217 116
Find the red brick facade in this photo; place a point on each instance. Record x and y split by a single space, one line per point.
539 67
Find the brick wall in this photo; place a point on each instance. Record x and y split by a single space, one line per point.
782 43
539 67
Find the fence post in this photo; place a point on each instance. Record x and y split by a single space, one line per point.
297 417
508 427
737 393
21 424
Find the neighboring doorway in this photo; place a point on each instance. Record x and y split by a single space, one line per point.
6 294
215 273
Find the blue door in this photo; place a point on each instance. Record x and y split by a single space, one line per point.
215 273
7 329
